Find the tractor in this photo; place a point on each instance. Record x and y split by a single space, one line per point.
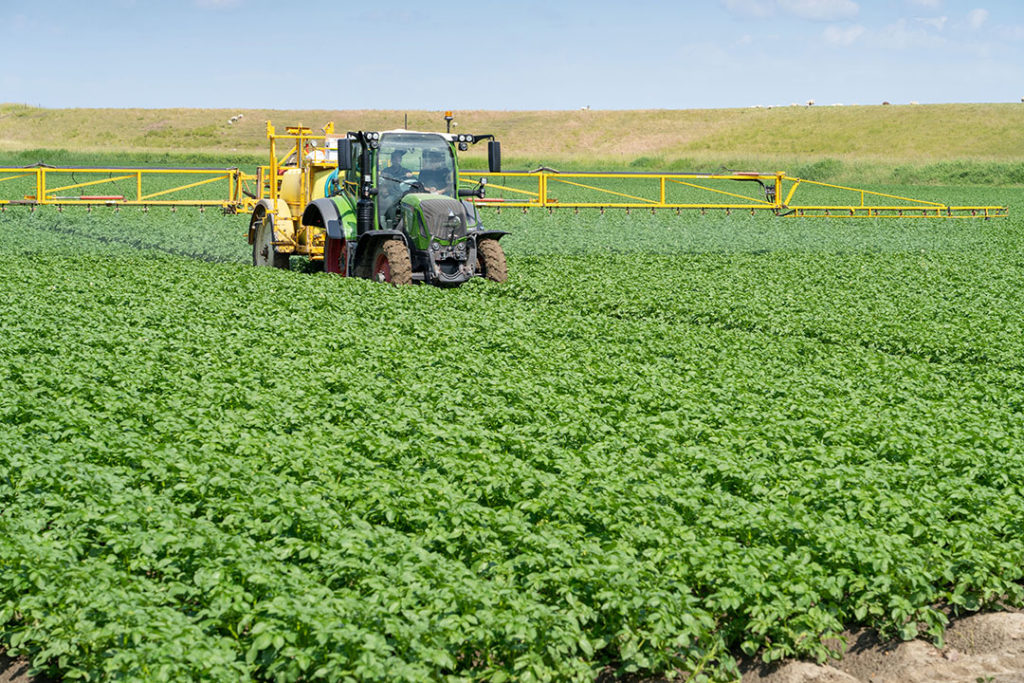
381 205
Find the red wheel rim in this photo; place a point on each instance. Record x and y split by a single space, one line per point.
336 256
382 269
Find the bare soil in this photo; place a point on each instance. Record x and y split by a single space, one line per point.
978 648
14 670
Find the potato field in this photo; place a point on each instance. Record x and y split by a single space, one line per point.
667 443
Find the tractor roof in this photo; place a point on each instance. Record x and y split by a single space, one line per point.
450 137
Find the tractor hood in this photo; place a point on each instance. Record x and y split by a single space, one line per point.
443 217
442 248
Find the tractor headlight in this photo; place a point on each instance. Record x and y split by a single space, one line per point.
453 222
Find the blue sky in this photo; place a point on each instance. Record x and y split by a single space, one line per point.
509 55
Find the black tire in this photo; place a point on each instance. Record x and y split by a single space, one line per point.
490 260
390 263
263 251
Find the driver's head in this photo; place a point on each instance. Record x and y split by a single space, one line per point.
396 157
433 159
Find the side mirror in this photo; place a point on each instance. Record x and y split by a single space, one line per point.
477 191
344 154
494 156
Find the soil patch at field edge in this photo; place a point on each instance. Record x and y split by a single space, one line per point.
15 670
979 647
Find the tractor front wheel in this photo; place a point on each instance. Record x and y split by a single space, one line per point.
391 263
490 260
263 251
336 256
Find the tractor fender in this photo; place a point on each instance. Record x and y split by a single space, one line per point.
322 213
490 234
284 224
368 242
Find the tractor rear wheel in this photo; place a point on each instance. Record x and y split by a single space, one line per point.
263 252
490 260
336 256
391 263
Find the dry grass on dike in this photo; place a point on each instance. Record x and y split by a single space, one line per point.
771 139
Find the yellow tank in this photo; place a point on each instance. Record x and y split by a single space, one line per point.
319 181
291 184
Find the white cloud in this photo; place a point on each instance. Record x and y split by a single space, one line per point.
820 10
843 35
927 4
937 23
977 17
903 35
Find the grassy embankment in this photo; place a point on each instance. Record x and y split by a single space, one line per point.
953 143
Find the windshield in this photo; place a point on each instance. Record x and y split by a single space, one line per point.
412 162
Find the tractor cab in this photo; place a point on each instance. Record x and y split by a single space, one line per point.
411 163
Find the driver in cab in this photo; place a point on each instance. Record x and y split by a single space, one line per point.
395 170
396 180
434 176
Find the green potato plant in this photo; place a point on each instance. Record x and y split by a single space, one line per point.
666 443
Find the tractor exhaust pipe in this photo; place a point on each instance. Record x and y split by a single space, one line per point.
364 216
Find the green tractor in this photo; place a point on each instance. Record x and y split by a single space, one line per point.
392 210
